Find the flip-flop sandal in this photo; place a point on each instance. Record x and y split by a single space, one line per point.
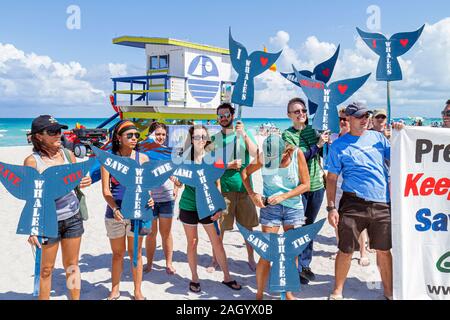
232 284
335 297
194 287
114 298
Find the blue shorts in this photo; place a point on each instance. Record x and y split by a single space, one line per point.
70 228
278 215
163 209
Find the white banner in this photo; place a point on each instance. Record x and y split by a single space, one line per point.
420 177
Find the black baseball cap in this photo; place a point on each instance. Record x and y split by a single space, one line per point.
46 122
357 110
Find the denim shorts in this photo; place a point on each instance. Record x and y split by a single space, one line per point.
70 228
163 209
278 215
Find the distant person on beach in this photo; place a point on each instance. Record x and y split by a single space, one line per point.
237 145
344 126
196 144
446 115
45 136
379 120
125 144
285 179
164 198
360 156
302 135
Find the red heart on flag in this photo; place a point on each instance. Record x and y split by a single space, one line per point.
326 72
264 61
219 164
404 42
374 43
342 88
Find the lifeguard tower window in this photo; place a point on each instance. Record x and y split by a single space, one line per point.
159 62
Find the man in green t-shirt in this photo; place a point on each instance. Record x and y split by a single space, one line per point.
235 146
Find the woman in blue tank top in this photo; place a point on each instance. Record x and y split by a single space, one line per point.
48 152
285 177
124 143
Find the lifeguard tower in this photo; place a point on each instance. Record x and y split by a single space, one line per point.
184 80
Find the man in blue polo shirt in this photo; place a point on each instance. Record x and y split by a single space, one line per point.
361 156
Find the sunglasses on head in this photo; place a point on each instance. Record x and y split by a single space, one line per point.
446 113
130 135
200 137
52 132
225 115
297 112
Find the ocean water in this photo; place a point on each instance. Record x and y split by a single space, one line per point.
13 131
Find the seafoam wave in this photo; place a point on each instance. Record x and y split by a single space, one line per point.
3 130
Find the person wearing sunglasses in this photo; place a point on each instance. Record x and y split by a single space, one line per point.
48 152
197 147
164 198
236 145
344 126
303 136
361 157
446 115
285 178
379 121
125 144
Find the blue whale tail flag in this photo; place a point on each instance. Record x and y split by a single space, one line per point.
281 250
388 68
328 97
322 72
40 191
247 68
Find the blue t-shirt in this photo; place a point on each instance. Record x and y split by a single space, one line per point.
363 164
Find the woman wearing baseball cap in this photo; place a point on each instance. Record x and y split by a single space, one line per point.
48 152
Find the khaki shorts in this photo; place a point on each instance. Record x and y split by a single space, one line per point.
118 229
241 208
355 215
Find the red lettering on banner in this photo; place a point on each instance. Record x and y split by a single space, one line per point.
310 84
427 187
73 177
10 176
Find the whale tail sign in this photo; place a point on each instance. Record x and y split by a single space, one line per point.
322 72
328 97
281 250
247 68
388 68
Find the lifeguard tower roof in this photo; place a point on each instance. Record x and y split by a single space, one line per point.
140 42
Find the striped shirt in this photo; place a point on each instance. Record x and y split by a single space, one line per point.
304 139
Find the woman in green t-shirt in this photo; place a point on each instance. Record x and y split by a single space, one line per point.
195 150
310 142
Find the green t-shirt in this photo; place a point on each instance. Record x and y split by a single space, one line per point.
187 200
304 139
231 180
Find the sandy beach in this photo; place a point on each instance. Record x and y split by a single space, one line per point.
17 263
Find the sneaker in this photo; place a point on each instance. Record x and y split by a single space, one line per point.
307 274
303 280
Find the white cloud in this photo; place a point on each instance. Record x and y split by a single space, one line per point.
426 72
29 78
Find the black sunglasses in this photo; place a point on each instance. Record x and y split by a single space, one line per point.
297 112
130 135
381 117
365 116
225 115
446 113
52 132
343 119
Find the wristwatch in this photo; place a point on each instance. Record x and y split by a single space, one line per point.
331 208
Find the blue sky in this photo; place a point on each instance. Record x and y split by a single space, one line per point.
39 27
